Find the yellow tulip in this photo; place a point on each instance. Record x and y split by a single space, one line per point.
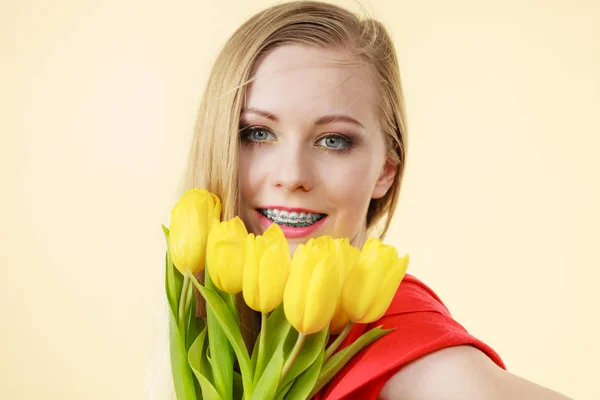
190 223
225 250
345 258
309 300
373 281
266 269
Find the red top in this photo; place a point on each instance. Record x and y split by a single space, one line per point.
423 325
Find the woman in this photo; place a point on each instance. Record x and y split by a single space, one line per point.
302 124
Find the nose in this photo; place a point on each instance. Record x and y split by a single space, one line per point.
293 170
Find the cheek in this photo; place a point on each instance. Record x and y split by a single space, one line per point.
350 184
243 172
249 173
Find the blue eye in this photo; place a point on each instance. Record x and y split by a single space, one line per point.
335 142
257 134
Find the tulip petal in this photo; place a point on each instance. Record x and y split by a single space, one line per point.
232 252
353 298
323 291
211 255
384 298
187 238
362 284
250 284
387 291
273 276
225 249
190 221
346 257
295 288
274 232
371 244
339 320
231 267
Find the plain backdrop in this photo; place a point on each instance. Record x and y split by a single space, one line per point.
499 207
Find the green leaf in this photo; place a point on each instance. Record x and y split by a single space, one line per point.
173 278
172 284
200 365
230 300
313 346
238 389
230 328
267 384
180 368
220 349
277 326
208 390
278 329
254 357
303 385
341 358
200 324
190 317
289 343
282 391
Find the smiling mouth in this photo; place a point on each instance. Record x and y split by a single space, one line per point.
293 218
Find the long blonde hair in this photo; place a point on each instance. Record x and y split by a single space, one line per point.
213 158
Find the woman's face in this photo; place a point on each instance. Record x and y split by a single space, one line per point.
312 153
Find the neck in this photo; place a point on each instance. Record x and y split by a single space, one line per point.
359 239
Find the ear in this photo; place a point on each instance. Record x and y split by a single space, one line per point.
385 180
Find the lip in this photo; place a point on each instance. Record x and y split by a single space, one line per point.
292 209
291 231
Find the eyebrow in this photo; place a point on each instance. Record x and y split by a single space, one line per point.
325 119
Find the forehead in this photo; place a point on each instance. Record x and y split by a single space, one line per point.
304 81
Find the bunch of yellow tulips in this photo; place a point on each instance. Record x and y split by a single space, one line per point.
326 287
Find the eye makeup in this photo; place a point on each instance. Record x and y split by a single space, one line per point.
331 142
255 135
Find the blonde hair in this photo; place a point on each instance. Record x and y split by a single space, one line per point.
213 158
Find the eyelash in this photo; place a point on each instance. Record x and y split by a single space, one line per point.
246 131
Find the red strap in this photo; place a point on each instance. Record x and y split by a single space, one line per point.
423 325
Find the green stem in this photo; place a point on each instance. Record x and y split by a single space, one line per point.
292 358
231 301
262 342
182 303
338 341
230 329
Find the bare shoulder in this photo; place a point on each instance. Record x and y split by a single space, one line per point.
460 372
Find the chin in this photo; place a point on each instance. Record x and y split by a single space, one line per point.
293 243
292 247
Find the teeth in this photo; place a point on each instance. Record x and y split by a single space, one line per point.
292 218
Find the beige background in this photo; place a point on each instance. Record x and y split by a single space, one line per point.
499 210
